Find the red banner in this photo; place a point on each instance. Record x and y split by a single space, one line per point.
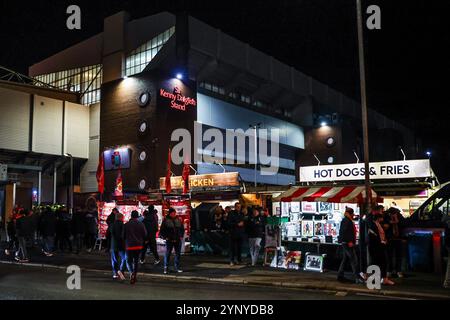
185 176
101 174
169 173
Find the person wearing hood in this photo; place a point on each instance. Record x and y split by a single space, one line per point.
134 235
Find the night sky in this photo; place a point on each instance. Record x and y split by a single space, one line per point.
406 59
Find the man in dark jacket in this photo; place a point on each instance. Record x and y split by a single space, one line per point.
134 235
255 231
25 231
172 230
47 228
151 226
117 247
109 223
90 229
78 229
347 238
237 230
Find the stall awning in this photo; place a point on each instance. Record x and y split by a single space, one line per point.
344 194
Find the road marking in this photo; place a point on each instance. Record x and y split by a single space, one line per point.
341 294
384 296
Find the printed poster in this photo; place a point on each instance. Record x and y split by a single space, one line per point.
309 207
307 228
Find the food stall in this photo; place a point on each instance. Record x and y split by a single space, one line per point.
312 216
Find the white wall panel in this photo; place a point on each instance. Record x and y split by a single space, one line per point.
76 130
88 173
47 125
14 120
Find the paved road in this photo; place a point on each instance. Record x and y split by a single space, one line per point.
27 282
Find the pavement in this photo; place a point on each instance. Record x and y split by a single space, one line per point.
215 269
20 282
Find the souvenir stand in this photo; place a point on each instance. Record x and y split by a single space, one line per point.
311 216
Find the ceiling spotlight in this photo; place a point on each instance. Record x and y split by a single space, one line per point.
323 124
179 76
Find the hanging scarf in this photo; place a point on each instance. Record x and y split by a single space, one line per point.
381 233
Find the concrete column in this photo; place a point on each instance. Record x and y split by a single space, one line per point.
55 177
14 195
39 187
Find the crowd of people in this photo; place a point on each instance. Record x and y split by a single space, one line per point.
385 242
51 230
58 230
243 224
129 242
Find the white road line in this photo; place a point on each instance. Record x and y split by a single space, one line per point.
384 296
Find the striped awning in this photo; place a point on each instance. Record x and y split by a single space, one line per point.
344 194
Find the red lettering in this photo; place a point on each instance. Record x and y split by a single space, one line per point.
179 101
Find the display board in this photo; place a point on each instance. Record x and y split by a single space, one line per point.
285 259
314 262
313 221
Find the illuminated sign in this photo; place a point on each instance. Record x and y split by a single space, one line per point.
227 179
117 158
377 170
177 99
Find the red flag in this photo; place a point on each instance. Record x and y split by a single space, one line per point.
101 174
118 192
169 173
185 176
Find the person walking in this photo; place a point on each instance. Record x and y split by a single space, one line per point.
172 230
117 247
151 226
347 238
109 223
25 232
378 246
255 231
12 236
236 223
78 229
134 235
47 227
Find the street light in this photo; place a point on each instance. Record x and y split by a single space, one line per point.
71 181
428 154
256 127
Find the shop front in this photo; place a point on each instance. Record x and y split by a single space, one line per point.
206 193
405 185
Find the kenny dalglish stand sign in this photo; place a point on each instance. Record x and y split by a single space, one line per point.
378 170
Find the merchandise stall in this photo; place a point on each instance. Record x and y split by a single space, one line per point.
312 216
